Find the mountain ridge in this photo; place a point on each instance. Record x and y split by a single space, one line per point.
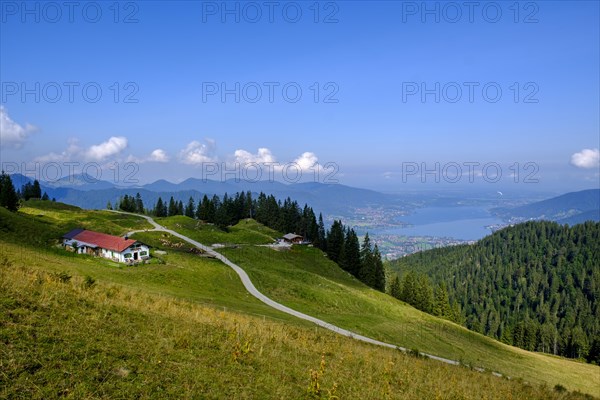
86 192
562 207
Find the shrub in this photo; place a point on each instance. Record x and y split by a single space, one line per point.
6 262
62 277
415 353
560 388
89 282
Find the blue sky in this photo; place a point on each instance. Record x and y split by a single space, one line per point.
369 60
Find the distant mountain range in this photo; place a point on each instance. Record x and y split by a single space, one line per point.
331 199
570 208
79 182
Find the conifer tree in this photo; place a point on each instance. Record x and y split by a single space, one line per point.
350 257
190 208
249 211
8 195
139 204
128 203
36 191
368 268
396 288
593 355
409 288
160 210
441 304
335 241
172 210
322 240
423 298
456 313
379 270
215 204
202 211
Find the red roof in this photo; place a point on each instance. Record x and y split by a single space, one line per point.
104 241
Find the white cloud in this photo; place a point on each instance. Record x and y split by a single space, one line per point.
158 155
196 153
586 158
111 147
67 155
98 152
11 133
263 156
308 161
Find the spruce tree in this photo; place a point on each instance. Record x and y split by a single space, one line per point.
507 336
395 288
409 288
367 273
214 205
1 189
128 204
423 294
160 210
456 315
249 206
36 191
379 283
172 210
8 195
189 208
350 257
139 204
335 241
26 191
322 240
202 211
441 304
593 355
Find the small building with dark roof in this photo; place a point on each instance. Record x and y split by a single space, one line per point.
115 248
293 238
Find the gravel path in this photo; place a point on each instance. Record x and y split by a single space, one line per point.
272 303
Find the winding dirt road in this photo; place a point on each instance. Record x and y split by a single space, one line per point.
272 303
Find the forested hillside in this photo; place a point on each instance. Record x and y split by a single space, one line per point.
535 285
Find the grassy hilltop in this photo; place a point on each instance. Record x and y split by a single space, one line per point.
184 327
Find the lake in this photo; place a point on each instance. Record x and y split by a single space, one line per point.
464 223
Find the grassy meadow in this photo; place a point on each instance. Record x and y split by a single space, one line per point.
68 337
184 327
304 279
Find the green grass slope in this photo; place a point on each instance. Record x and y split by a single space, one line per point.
302 278
307 281
43 222
247 231
61 338
31 237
